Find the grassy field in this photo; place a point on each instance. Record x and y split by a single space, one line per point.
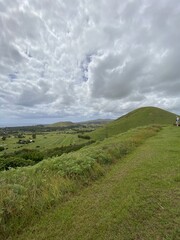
42 141
137 199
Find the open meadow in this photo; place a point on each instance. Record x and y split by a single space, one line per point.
42 141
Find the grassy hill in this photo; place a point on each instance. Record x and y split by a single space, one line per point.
139 117
61 124
96 121
70 124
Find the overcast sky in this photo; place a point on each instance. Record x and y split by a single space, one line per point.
87 59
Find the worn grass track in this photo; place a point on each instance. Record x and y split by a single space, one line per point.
137 199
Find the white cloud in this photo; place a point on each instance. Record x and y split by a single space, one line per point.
85 59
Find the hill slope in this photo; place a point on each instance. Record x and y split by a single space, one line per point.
61 124
139 117
138 199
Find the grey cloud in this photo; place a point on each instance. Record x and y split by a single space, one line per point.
145 71
134 48
168 70
32 95
2 7
116 77
9 53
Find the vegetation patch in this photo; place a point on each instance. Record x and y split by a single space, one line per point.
25 157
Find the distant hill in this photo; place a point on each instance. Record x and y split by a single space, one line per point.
139 117
69 124
61 124
96 121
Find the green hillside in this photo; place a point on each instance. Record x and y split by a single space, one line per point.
61 124
70 124
139 117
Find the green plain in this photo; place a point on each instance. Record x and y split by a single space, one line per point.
43 141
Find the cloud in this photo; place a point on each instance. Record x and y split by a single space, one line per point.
88 58
115 76
34 94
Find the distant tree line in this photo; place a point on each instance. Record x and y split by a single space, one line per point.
36 129
84 136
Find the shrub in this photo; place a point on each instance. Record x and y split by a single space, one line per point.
84 137
58 151
1 148
31 154
14 162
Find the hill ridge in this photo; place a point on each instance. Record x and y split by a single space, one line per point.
139 117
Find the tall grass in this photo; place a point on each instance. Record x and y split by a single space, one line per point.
27 192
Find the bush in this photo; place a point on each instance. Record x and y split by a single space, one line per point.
84 137
35 156
14 162
1 149
66 149
31 154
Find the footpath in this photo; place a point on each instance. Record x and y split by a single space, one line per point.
137 199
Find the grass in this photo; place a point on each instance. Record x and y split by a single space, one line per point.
139 117
137 199
44 141
61 124
26 193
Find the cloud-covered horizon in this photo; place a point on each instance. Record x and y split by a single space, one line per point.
80 59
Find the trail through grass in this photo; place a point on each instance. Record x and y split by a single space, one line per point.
137 199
